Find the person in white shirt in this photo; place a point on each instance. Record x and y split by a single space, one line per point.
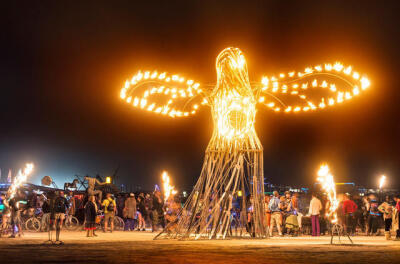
314 211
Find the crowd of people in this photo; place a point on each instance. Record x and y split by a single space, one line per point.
139 213
293 215
289 214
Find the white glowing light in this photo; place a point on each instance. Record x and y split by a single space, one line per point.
382 181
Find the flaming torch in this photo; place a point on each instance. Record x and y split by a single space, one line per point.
382 181
168 189
328 184
20 179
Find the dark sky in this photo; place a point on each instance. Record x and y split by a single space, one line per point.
62 64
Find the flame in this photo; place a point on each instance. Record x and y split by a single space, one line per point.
382 181
354 84
168 189
187 89
328 184
20 179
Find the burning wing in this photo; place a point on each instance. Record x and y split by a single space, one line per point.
162 94
315 88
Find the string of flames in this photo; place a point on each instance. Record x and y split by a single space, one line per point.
166 85
283 84
328 184
167 187
275 85
20 179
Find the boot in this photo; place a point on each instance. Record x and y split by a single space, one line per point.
387 235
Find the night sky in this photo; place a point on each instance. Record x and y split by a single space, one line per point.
62 64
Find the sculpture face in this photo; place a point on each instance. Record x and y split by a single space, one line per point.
233 103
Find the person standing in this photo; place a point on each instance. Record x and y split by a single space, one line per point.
130 210
349 209
148 201
359 217
267 198
5 213
120 201
314 211
373 218
110 208
276 217
157 211
397 217
57 209
142 212
90 216
387 209
71 204
296 208
366 207
15 217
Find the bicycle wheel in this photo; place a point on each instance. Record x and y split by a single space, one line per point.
32 224
7 230
119 223
45 221
71 223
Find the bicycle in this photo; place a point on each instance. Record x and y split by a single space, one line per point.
33 224
71 222
119 223
6 229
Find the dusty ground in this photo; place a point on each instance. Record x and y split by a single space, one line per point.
138 247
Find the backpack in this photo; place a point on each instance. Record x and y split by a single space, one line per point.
374 208
59 205
274 204
110 206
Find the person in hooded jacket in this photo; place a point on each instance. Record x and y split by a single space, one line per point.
130 212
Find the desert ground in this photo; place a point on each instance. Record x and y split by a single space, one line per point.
139 247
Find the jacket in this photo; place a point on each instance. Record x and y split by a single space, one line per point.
130 208
315 206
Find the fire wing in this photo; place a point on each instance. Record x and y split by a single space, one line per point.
160 93
315 88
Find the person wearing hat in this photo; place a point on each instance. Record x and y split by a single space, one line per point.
130 211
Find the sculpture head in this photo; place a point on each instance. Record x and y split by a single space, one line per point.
232 72
233 101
